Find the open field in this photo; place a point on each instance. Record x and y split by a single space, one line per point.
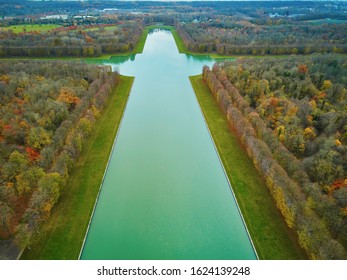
270 235
62 235
31 27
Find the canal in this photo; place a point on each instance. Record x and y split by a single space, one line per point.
165 194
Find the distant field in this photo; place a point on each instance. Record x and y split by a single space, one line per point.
31 27
327 20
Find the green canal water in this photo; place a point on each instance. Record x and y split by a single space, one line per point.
165 194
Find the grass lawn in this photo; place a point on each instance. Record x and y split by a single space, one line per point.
271 237
31 27
62 236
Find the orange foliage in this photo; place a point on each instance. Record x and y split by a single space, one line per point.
17 112
32 153
303 68
309 118
19 101
88 39
273 101
47 207
7 127
68 96
341 183
19 89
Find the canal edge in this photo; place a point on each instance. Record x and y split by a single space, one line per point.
105 171
224 171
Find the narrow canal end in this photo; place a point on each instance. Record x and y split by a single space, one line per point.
165 194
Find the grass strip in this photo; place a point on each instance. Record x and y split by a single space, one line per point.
31 28
271 236
61 237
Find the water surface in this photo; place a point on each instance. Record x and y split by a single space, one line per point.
165 195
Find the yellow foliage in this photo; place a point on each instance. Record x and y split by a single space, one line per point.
304 241
95 111
282 138
5 78
22 185
326 85
313 104
338 142
278 196
292 111
40 78
47 207
279 130
24 124
309 133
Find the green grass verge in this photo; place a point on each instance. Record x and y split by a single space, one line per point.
62 236
271 237
31 27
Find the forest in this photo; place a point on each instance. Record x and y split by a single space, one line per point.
47 113
290 115
75 41
238 36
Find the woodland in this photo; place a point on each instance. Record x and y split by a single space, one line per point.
71 41
47 113
228 36
290 115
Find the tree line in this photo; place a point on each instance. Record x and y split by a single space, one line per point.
77 42
47 113
230 36
290 116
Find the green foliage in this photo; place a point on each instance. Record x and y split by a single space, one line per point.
23 235
28 179
38 138
31 27
6 216
16 164
227 35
